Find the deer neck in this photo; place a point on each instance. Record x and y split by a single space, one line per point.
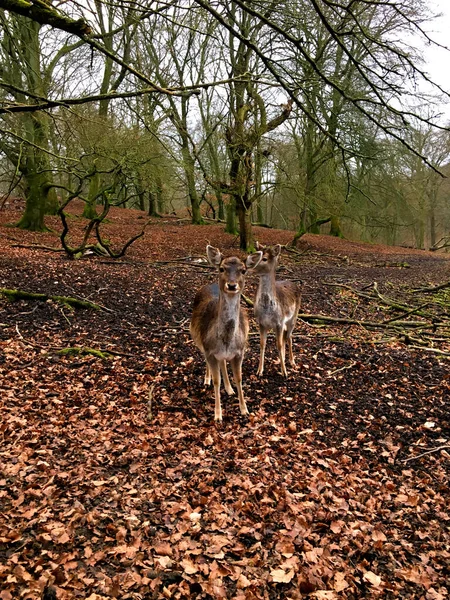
267 288
228 314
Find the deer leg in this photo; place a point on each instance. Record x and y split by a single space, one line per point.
291 353
290 329
236 365
262 346
226 380
281 347
207 380
215 372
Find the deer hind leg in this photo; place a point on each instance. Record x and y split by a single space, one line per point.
262 346
289 342
214 369
207 380
236 365
281 347
226 380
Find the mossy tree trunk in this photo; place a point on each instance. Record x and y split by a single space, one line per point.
22 68
335 227
231 222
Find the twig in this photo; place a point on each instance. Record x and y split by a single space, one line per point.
350 366
149 403
428 349
405 314
445 447
65 316
183 259
247 301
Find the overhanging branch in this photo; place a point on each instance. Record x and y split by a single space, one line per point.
45 14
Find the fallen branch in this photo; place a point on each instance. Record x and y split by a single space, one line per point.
435 288
37 247
14 295
74 350
406 310
369 324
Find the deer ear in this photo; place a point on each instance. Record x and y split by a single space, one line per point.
253 260
214 255
277 250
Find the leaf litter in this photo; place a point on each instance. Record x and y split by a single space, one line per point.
336 486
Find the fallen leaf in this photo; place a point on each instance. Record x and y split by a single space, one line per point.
372 578
280 576
189 566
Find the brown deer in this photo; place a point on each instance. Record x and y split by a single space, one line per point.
219 326
276 304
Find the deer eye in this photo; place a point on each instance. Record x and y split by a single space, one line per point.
243 271
264 259
222 270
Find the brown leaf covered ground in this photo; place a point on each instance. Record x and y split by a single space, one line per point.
335 487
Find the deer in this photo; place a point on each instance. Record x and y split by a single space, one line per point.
219 326
276 305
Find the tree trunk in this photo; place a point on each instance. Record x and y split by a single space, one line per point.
35 165
89 211
189 171
433 236
246 241
39 195
36 202
335 227
231 225
220 206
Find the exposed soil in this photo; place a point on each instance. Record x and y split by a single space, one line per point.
115 481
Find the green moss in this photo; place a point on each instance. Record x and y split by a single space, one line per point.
84 351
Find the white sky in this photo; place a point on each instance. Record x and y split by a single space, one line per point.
438 60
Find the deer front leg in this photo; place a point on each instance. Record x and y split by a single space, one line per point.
236 365
226 381
281 347
215 372
262 347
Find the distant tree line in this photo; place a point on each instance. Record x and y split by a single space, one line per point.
302 115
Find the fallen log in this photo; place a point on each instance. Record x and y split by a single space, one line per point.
14 295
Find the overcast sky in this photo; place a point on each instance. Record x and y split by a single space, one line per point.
438 60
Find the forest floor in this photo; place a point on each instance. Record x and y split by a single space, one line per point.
116 483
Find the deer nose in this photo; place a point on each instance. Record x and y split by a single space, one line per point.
232 287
